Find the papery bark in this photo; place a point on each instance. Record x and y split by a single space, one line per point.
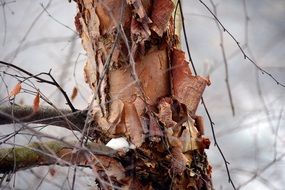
144 90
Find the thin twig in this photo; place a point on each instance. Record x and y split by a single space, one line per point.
28 32
276 133
262 170
206 109
240 47
57 21
38 42
185 37
246 16
224 59
4 4
53 82
216 144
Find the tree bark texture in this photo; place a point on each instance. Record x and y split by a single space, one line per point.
144 90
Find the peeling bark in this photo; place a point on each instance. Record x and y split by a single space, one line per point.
145 91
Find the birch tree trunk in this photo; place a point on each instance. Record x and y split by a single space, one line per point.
143 90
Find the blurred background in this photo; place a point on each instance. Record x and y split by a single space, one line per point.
39 35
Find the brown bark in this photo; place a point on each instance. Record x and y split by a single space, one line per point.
144 90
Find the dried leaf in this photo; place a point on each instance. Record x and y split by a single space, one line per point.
74 93
189 137
161 13
16 90
133 124
36 104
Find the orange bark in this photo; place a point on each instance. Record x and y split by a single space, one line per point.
144 90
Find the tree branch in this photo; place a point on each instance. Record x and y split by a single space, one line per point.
47 153
46 115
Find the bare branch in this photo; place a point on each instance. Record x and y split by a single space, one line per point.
46 115
56 20
224 59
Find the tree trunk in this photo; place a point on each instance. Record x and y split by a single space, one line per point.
144 91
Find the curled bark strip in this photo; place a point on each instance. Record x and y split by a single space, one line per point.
133 124
165 113
188 89
108 124
139 9
182 133
199 124
110 15
140 31
161 13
